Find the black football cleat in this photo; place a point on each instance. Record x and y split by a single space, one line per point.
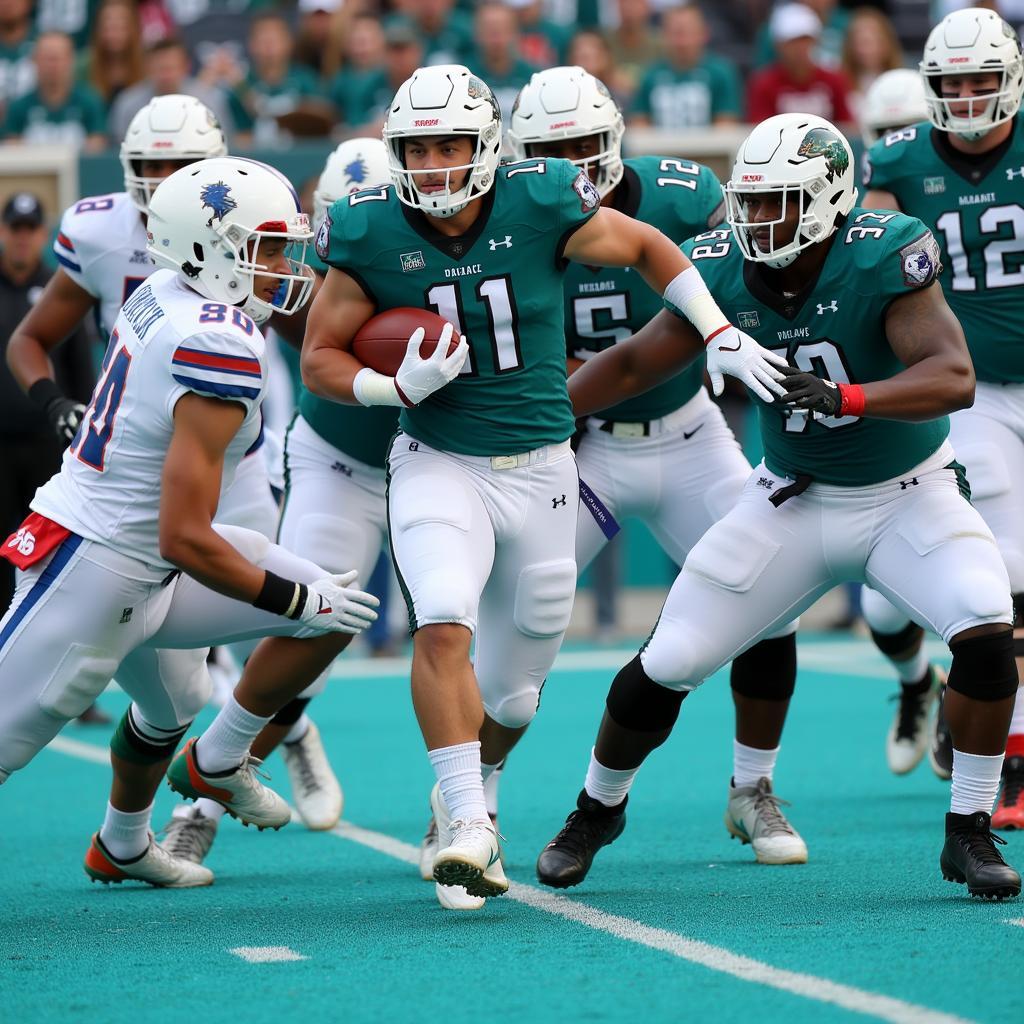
565 861
970 856
940 751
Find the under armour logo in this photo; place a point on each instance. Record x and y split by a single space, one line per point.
555 502
126 615
494 245
833 306
340 467
1011 173
912 482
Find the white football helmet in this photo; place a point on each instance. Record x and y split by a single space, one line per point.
355 164
447 99
894 100
208 220
167 128
807 160
570 103
972 41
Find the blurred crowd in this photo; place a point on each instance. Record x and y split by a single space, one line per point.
77 70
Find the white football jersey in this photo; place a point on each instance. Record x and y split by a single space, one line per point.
101 245
167 341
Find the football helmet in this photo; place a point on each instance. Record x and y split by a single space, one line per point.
569 103
808 161
355 164
207 222
447 99
894 100
972 41
167 128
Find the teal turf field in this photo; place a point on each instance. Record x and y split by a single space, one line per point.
675 923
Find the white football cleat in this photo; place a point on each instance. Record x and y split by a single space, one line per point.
189 834
156 866
428 850
753 816
315 788
451 897
908 737
469 854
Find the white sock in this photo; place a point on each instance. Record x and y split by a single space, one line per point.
210 809
492 777
458 772
913 669
1017 722
609 786
126 833
224 745
750 764
975 782
298 730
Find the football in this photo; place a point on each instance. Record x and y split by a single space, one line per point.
381 342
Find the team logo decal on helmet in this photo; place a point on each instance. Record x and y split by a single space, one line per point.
217 197
356 171
821 142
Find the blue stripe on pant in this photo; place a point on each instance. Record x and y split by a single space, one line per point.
60 559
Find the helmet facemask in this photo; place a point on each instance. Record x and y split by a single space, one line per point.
294 286
983 112
776 254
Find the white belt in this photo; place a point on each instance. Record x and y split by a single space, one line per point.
532 458
644 428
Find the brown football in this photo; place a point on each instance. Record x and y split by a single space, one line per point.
381 342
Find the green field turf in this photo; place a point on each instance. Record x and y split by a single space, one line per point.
675 922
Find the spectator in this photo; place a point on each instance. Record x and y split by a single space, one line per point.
74 19
691 88
542 42
828 52
156 23
114 60
167 72
445 34
796 84
313 35
364 64
635 44
274 85
871 48
30 450
17 38
58 109
364 106
590 50
497 59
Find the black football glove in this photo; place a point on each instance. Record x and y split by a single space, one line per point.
65 414
808 391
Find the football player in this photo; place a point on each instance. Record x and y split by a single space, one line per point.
666 457
894 101
123 571
482 484
334 512
859 481
962 174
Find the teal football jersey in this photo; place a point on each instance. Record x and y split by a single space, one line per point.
605 305
500 284
836 329
976 211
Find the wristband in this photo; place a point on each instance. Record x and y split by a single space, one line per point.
372 388
43 392
851 400
689 294
281 597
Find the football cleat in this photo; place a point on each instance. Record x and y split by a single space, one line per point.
909 736
239 792
428 851
970 855
565 861
315 788
1009 812
189 834
451 897
155 866
940 750
754 816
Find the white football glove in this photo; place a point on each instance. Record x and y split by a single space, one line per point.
418 378
332 606
737 354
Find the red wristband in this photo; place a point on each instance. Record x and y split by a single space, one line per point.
715 334
851 400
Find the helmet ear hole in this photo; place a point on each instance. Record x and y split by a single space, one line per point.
197 250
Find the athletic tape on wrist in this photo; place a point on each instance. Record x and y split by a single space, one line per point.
689 294
851 400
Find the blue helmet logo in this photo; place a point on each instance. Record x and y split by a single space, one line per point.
356 171
217 198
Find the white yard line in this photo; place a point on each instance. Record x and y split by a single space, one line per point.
267 954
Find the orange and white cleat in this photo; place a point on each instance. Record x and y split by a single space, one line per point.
155 867
1009 813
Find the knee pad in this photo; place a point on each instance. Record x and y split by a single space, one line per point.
767 671
291 712
635 701
881 615
515 710
894 644
544 596
248 543
137 741
983 667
